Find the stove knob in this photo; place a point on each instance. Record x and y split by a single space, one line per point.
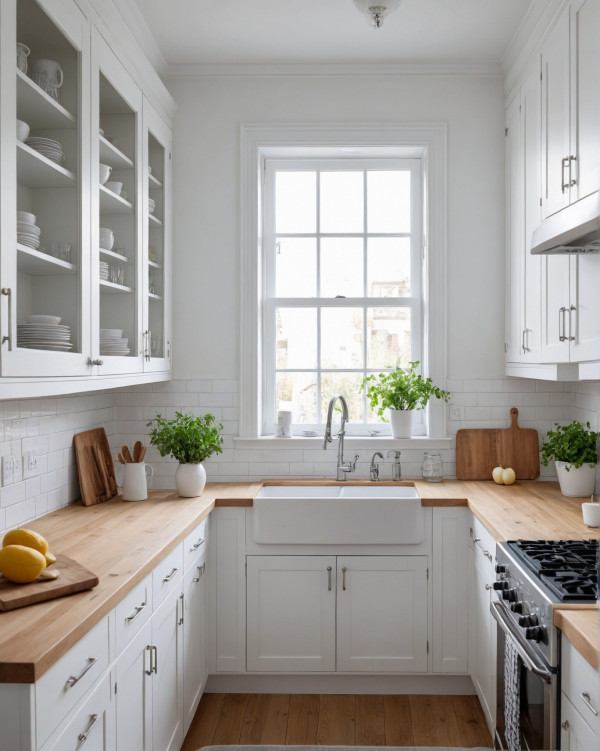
525 621
535 633
510 595
533 620
517 607
500 568
501 585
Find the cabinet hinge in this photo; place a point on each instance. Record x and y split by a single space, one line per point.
505 131
428 574
115 687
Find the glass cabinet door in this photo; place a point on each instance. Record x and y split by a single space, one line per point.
157 241
116 216
45 300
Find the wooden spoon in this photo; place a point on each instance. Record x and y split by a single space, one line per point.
137 450
142 454
127 455
121 458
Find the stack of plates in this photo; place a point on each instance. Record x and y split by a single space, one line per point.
47 147
151 205
44 332
104 270
112 342
28 233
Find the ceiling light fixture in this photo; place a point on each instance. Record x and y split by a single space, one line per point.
377 10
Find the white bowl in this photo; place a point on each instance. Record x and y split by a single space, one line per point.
107 238
104 172
111 333
43 319
116 187
22 130
25 217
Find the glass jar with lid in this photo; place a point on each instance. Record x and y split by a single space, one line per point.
432 467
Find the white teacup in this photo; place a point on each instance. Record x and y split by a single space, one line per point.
116 187
591 514
22 130
104 173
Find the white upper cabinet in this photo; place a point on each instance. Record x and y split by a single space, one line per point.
90 174
571 103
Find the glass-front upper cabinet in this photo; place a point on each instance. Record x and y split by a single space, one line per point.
117 265
44 217
157 241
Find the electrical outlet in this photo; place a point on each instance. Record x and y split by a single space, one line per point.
18 468
457 412
8 470
30 464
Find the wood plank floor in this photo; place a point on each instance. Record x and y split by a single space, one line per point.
338 720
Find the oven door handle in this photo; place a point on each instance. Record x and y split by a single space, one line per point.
505 624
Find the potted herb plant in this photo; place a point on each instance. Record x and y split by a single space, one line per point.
574 449
401 391
190 440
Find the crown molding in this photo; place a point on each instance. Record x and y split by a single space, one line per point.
275 70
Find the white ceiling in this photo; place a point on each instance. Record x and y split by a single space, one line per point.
258 32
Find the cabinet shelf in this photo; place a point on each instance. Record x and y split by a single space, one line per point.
36 171
112 254
112 288
153 296
155 183
113 156
37 263
154 265
153 220
38 109
111 203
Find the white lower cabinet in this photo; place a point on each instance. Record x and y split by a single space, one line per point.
133 693
194 638
350 613
575 733
382 614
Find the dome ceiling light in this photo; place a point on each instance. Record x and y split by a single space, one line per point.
377 10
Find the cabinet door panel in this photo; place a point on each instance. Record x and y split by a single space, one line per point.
515 261
133 698
555 105
382 614
555 296
167 689
291 613
194 639
585 313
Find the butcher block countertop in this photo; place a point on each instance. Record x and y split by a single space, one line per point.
122 542
582 629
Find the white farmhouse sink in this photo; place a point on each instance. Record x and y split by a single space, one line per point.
338 515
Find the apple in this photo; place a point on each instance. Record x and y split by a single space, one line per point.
509 476
497 475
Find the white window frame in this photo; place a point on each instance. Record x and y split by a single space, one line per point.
426 141
414 302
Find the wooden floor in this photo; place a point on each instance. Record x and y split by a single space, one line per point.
338 720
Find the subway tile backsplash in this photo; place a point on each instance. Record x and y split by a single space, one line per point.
47 427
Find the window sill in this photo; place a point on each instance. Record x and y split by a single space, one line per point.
355 442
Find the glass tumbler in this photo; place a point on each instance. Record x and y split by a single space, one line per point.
432 467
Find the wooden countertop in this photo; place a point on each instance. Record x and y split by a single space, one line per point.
122 542
582 629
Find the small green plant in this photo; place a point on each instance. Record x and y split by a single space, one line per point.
574 443
401 389
188 439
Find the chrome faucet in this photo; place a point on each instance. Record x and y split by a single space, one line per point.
374 468
396 467
342 469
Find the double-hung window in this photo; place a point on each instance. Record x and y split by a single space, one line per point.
342 260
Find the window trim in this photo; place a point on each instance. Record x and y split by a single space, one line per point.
261 141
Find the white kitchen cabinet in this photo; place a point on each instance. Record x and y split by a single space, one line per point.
133 693
194 638
571 102
291 613
482 626
382 614
167 679
575 733
450 590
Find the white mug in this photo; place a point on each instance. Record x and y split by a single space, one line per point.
591 514
135 486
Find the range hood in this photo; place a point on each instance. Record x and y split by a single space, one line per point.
575 229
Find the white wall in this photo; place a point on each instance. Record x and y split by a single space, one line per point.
207 196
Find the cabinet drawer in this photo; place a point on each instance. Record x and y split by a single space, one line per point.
132 612
92 726
167 575
67 681
581 684
195 543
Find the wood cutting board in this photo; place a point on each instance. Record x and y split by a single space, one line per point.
73 578
479 450
95 466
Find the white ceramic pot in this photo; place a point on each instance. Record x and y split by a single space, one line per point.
401 421
190 480
48 75
135 481
576 483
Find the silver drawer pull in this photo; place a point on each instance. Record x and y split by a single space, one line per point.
344 569
138 609
72 680
329 578
84 736
201 569
146 670
587 700
565 725
488 587
168 577
155 665
196 545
